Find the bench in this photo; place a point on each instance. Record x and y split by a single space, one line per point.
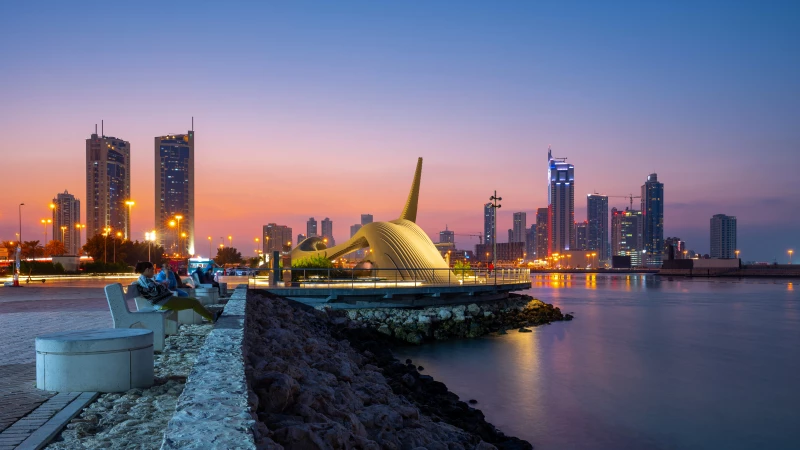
186 316
205 292
161 323
105 360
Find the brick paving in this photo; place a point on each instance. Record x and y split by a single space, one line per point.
32 311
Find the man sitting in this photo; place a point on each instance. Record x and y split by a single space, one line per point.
167 278
161 298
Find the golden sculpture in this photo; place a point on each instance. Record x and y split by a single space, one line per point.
399 245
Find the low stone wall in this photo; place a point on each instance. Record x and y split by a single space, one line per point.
212 411
458 321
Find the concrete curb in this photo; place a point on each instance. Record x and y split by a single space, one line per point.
212 411
48 419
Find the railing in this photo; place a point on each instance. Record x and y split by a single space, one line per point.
390 278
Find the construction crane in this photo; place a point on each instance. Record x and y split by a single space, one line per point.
629 196
479 236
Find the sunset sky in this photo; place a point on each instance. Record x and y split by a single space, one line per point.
321 109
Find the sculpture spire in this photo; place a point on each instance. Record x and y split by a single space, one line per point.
410 210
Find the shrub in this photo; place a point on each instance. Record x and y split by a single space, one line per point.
463 269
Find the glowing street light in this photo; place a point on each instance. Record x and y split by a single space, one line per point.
209 246
737 253
107 231
79 226
230 241
45 222
790 256
63 228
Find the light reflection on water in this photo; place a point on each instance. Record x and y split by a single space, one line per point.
647 363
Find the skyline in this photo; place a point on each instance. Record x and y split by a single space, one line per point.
702 96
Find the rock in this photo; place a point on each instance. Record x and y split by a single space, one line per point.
352 314
568 317
472 401
420 368
524 330
408 361
444 314
473 309
414 338
408 380
384 329
424 319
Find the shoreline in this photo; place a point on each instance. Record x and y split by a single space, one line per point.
322 379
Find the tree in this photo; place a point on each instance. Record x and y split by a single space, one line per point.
55 248
31 249
129 252
228 255
11 246
462 268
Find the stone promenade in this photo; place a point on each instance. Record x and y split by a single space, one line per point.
34 310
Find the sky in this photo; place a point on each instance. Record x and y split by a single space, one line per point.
321 109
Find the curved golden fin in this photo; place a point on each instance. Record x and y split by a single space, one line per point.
410 211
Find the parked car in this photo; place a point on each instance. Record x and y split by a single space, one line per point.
242 271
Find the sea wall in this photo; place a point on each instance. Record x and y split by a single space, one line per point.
458 321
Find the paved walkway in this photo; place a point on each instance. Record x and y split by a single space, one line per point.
31 311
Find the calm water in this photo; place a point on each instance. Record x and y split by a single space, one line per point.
647 363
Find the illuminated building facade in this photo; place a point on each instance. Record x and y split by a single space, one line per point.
626 235
327 231
174 192
581 231
276 237
653 220
447 236
597 225
541 233
108 184
561 204
518 233
311 227
67 214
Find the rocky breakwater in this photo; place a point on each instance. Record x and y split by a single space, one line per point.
458 321
314 384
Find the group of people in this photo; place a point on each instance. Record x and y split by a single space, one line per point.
163 290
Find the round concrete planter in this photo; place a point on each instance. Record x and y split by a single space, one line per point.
104 360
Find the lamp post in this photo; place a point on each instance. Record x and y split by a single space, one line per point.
182 243
119 235
172 225
79 226
63 228
45 222
790 256
257 241
20 223
230 241
130 204
494 199
209 247
107 231
179 218
737 253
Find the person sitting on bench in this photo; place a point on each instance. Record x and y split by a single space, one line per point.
167 278
162 298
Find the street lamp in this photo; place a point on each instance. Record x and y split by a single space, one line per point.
79 226
107 231
179 218
45 222
257 241
790 256
209 247
494 199
130 204
63 228
20 224
149 237
230 241
182 242
172 225
737 253
119 235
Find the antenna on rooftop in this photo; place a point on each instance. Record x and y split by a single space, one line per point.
95 128
192 123
102 129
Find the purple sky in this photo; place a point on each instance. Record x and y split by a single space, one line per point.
308 109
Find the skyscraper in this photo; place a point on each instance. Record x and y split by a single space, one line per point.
354 229
327 231
276 237
723 236
653 221
581 234
597 225
520 227
541 233
530 243
365 219
447 236
300 238
174 193
626 234
488 224
561 204
108 184
67 214
311 227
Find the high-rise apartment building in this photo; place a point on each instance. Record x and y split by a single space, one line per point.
354 229
365 219
597 226
541 233
108 184
519 233
723 236
311 227
67 214
447 236
581 234
561 204
174 193
530 243
300 238
488 224
327 231
674 248
276 237
653 220
626 234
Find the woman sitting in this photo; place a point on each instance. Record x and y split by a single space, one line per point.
161 297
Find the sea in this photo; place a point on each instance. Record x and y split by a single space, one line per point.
649 362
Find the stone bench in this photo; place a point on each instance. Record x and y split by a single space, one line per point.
104 360
161 323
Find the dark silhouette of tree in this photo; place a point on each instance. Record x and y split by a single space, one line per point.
32 249
55 248
11 246
228 255
129 252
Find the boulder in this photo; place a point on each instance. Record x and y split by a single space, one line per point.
473 309
385 330
444 314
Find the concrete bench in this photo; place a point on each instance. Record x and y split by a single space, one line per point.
105 360
186 316
161 323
